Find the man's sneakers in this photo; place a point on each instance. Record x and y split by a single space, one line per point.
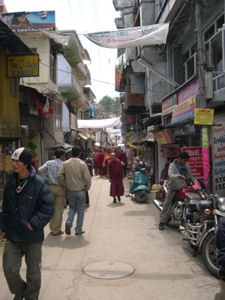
79 233
57 233
161 226
68 229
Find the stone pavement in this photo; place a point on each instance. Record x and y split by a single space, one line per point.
123 236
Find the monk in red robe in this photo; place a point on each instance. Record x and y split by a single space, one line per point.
115 174
99 161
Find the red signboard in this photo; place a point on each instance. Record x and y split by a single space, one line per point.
199 162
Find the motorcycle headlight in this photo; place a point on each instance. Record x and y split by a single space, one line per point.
221 203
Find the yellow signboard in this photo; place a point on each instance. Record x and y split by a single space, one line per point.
203 116
162 137
23 66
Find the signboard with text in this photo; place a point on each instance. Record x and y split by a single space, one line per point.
218 163
203 116
30 21
23 66
199 162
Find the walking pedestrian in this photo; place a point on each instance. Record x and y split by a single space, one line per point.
220 245
27 208
115 174
74 174
50 170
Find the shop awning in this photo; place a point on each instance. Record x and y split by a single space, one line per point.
11 41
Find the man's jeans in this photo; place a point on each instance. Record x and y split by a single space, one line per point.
12 258
76 204
167 207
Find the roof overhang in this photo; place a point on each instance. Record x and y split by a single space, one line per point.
11 41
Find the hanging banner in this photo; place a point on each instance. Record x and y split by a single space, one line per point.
102 123
131 37
203 116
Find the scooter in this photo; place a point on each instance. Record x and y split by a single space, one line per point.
139 185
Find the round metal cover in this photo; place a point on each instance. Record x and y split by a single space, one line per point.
108 270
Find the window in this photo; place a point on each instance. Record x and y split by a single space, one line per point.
190 62
58 115
214 51
53 66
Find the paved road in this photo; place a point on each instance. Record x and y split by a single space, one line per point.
164 267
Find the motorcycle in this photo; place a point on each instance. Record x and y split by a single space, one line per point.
201 221
192 189
139 185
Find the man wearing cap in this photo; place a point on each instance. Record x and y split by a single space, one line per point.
27 207
50 171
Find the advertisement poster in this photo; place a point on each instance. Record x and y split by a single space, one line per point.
199 162
30 21
218 164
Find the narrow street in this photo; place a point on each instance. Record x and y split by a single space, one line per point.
126 233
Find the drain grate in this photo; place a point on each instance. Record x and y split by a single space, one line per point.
108 270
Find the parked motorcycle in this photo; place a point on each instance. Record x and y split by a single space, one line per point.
139 185
192 189
202 218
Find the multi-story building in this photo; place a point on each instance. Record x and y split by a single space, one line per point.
73 77
191 82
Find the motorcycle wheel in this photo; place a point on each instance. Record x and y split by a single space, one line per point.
209 253
141 196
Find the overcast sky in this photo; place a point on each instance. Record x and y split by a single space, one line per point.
83 16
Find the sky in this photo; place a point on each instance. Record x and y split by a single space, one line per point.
83 16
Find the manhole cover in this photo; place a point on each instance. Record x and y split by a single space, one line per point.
108 270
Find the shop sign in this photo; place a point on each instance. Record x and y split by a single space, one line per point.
7 131
162 137
203 116
199 162
23 66
183 111
218 147
190 90
168 104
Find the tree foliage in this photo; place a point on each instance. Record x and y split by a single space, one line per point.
111 105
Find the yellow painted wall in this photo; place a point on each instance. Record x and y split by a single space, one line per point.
9 105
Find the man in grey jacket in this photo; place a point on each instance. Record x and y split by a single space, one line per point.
74 174
179 172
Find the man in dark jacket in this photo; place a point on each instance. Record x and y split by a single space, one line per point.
27 208
220 245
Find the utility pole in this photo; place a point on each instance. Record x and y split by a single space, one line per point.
200 55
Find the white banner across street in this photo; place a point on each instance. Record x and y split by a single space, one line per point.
155 34
101 123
